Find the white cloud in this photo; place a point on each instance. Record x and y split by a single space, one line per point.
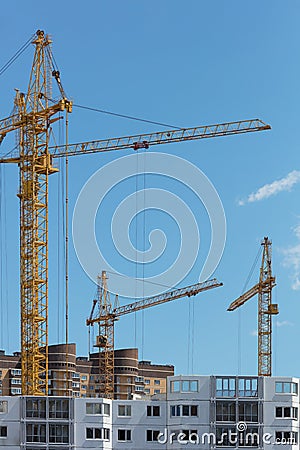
284 323
268 190
254 333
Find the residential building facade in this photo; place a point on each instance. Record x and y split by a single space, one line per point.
204 412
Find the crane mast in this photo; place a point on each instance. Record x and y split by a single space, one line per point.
265 309
35 167
106 315
32 119
105 339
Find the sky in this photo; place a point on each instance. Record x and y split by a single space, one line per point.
182 64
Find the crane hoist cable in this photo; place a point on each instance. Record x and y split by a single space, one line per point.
4 311
255 262
125 116
16 55
239 328
1 261
112 113
166 286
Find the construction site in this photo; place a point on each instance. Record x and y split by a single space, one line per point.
114 397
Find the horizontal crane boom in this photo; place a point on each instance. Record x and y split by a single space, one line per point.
146 140
162 137
153 301
259 287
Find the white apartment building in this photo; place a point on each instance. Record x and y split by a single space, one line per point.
204 412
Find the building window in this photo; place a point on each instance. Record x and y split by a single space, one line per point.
225 411
157 382
286 412
59 434
223 435
156 391
152 435
137 380
153 411
283 387
15 381
227 436
247 387
3 431
248 412
137 389
97 433
124 410
35 432
286 437
175 386
36 408
93 408
3 406
249 438
147 381
225 387
175 410
124 435
189 435
189 386
83 378
184 410
184 386
58 409
17 372
147 391
16 391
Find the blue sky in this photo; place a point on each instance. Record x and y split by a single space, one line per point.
186 64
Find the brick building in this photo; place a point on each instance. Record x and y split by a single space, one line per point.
132 378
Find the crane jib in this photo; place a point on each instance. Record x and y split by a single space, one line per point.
144 141
137 142
153 301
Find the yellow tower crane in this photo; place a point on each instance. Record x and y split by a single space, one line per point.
33 117
265 309
105 315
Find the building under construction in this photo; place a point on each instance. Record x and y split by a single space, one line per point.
54 399
132 378
204 412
